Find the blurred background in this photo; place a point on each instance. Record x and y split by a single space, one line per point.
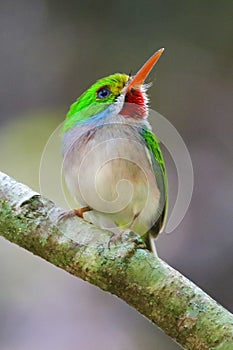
50 53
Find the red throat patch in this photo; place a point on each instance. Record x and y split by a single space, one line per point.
135 96
135 104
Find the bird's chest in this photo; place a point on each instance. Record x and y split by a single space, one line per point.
108 168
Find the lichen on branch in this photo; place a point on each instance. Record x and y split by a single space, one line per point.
128 270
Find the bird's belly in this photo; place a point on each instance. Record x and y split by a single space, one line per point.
129 194
114 177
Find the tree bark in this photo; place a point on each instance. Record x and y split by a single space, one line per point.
128 270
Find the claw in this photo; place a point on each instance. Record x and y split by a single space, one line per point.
79 212
71 213
114 238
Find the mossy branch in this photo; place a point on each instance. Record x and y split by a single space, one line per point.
128 270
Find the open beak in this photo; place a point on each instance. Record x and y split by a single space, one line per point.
141 75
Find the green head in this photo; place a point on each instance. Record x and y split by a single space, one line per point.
107 91
96 99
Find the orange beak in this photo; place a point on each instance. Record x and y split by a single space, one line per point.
141 75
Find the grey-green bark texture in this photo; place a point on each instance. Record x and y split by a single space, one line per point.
128 270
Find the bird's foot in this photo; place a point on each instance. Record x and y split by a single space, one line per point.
115 237
127 237
74 212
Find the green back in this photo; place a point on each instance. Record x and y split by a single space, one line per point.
153 145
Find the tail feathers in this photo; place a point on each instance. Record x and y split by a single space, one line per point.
152 244
154 232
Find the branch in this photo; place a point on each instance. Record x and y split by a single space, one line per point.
128 270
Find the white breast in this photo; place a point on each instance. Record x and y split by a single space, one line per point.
109 169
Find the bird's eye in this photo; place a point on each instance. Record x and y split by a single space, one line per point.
103 92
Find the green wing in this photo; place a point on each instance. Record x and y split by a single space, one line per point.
152 143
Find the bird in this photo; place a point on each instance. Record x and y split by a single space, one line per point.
112 161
